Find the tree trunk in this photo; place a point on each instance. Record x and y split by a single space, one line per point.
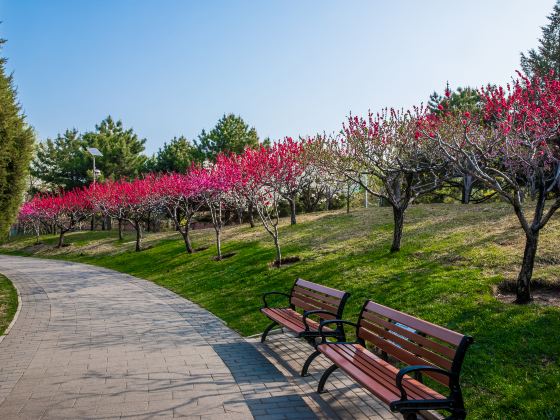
467 189
219 243
120 229
398 217
526 273
240 215
187 238
61 238
278 252
293 220
251 218
93 222
138 228
348 199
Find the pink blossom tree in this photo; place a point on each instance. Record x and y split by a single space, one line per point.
107 199
513 148
386 156
179 195
30 216
215 188
65 211
139 202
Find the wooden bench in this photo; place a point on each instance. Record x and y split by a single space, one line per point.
311 300
427 349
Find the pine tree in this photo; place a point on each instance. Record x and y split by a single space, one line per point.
231 134
175 156
16 147
547 56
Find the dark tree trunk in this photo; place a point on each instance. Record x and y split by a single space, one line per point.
187 238
138 227
398 217
251 218
120 229
348 199
293 220
61 238
108 223
526 273
240 215
92 222
466 191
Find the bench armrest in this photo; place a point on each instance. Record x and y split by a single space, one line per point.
315 312
415 368
338 322
265 303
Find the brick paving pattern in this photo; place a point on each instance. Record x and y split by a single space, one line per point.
93 343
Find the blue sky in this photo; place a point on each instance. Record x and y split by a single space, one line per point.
293 68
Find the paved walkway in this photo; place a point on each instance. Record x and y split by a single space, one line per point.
93 343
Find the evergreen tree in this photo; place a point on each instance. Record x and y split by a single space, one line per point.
123 151
231 134
63 162
461 100
547 56
16 148
175 156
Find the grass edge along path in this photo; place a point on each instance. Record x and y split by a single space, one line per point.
452 258
8 303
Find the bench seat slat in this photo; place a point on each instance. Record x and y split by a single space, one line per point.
353 359
401 354
372 366
291 319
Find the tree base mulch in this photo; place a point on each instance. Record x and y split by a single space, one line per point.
543 293
201 248
224 256
285 261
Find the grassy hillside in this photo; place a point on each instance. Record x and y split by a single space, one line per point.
452 258
8 303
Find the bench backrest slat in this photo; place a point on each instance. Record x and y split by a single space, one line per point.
311 296
408 339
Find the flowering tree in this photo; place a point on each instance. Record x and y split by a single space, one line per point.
179 195
288 163
512 148
30 216
65 211
215 183
139 202
386 146
107 199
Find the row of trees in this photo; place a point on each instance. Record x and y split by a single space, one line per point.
63 162
509 145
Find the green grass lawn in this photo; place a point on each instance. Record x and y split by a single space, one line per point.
452 258
8 303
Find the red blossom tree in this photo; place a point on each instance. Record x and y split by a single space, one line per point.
513 148
139 202
215 185
65 211
180 196
107 199
30 216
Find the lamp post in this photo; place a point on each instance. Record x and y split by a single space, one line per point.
93 151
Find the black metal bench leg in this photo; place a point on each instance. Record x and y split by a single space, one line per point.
410 416
268 329
311 357
324 378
